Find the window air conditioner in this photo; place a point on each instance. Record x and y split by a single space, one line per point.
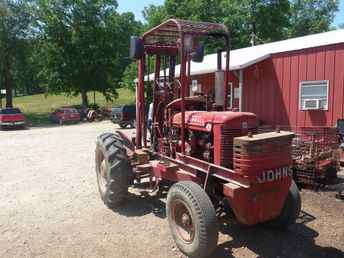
312 104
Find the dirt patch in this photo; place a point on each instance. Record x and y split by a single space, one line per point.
50 207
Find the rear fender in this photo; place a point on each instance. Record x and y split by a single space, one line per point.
257 203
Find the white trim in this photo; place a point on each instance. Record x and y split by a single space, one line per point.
312 84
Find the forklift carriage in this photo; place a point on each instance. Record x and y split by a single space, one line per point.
213 157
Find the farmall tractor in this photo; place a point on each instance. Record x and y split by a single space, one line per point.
212 158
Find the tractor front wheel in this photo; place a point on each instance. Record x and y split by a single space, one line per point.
113 169
192 219
290 211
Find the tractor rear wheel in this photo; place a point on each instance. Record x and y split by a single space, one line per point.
113 169
192 219
290 211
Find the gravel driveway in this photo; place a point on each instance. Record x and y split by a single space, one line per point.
50 207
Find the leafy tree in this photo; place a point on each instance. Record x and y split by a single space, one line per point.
341 26
198 10
84 46
14 30
311 16
26 68
266 19
154 15
129 76
252 21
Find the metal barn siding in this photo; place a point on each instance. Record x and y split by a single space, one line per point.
271 87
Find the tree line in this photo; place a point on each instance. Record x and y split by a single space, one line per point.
76 46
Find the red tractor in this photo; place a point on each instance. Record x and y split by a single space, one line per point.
213 158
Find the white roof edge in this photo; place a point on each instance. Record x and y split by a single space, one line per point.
245 57
252 62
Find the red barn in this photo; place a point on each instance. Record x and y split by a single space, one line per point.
297 82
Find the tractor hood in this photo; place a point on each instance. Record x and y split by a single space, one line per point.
204 120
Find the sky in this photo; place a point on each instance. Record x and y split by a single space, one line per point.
340 15
136 6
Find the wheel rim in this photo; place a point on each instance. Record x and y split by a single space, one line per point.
182 221
102 178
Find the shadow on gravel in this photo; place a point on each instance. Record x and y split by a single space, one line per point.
142 202
54 125
298 242
13 128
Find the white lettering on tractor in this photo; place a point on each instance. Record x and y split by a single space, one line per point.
274 174
197 120
278 173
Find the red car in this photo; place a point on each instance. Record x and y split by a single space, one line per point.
64 115
11 117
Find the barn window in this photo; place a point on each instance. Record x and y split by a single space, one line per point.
195 88
314 95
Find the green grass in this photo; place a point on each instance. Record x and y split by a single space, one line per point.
37 108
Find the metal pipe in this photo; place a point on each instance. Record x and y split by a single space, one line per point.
156 85
183 82
165 80
172 66
219 59
155 100
227 74
144 114
171 74
139 102
188 76
241 84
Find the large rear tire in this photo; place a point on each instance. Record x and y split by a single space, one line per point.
192 219
113 169
290 211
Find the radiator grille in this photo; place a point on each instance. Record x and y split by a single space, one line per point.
227 138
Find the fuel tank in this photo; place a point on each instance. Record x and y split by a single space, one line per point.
205 121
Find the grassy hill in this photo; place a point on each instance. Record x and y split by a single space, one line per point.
37 108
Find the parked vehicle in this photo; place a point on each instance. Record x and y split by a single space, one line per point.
65 115
94 115
11 117
214 158
124 116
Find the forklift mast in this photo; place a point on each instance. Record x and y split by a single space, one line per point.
171 41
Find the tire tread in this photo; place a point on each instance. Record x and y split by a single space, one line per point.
205 213
119 172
